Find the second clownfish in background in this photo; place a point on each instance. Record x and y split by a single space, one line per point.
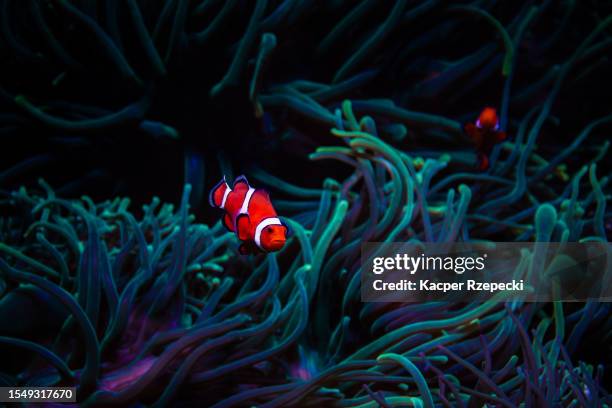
249 213
485 134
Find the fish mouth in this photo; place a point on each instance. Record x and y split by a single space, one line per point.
276 244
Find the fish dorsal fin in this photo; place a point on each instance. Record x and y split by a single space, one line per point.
241 179
264 193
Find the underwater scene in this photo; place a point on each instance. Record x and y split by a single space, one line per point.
187 186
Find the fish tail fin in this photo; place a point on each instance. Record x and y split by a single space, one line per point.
218 192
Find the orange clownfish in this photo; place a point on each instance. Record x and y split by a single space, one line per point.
485 134
250 214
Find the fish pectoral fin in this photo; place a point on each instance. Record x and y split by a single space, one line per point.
243 223
227 222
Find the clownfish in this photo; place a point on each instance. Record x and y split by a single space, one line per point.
485 134
249 213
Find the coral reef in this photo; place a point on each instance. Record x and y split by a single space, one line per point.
155 306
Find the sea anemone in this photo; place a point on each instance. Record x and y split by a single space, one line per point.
143 304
